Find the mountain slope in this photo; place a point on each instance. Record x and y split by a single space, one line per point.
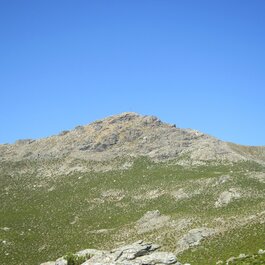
125 178
127 134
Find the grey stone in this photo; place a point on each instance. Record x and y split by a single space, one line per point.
147 135
124 117
230 260
61 261
62 133
86 145
194 237
158 258
226 197
99 147
110 139
105 143
138 253
150 221
89 252
79 128
24 141
134 250
222 180
147 120
97 126
132 134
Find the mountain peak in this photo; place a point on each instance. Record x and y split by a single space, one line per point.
128 117
122 135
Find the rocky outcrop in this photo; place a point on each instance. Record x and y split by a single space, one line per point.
226 197
194 237
138 253
126 134
152 220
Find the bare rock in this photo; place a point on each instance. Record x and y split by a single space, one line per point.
180 194
132 134
134 250
113 195
123 135
24 141
150 221
61 261
89 252
62 133
226 197
123 117
221 180
138 253
194 237
158 258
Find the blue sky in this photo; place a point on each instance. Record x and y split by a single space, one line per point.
198 64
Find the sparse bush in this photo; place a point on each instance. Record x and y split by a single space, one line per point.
73 259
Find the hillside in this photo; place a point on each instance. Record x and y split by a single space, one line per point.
121 135
130 177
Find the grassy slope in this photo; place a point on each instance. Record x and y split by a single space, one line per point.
247 240
257 152
49 217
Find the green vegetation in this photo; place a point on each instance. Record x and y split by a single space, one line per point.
255 259
74 259
44 217
245 239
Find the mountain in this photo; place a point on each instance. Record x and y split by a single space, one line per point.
130 135
129 177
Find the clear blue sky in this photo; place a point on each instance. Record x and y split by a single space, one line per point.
199 64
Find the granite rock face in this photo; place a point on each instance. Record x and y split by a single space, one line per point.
194 237
126 134
138 253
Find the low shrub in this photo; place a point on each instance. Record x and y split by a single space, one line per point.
73 259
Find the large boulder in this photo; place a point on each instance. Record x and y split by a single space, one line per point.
194 237
61 261
138 253
158 258
226 197
151 220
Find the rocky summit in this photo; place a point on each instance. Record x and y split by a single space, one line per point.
127 134
127 177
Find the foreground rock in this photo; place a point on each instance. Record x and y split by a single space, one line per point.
138 253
